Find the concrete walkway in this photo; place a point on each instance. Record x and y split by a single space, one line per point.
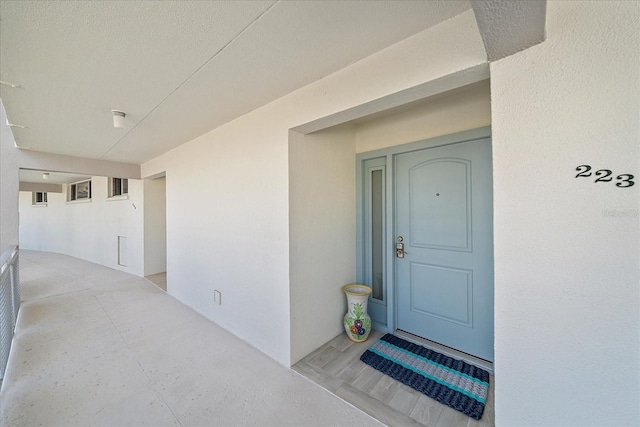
95 346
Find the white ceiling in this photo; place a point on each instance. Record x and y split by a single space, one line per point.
178 69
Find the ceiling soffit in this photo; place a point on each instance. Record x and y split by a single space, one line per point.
508 27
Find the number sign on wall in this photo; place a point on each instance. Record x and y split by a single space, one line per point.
624 180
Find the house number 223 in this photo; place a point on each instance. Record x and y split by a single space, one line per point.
605 175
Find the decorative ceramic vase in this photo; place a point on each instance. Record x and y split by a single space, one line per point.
357 323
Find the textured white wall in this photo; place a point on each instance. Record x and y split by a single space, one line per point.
228 197
461 109
566 250
155 226
322 232
87 230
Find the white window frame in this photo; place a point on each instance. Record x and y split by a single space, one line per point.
118 188
72 191
43 198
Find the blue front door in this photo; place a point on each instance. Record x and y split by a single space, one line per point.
443 217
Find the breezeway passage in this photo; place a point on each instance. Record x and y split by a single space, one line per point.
96 346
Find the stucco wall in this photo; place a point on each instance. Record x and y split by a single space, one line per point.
322 232
228 197
566 249
87 230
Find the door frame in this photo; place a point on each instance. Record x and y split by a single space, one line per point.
385 158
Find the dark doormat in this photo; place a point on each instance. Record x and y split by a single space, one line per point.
457 384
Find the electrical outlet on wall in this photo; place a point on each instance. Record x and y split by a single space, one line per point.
217 297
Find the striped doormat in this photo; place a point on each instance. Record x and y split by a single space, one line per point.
452 382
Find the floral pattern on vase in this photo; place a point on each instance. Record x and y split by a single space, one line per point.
357 323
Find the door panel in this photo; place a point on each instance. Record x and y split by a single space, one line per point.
443 212
441 292
442 218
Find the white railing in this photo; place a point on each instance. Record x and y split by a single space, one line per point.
9 302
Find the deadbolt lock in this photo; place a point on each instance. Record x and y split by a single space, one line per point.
400 247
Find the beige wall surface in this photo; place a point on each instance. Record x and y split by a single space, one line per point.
466 108
35 186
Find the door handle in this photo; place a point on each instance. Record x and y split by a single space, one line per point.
400 253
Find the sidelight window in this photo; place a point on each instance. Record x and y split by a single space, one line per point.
374 227
377 214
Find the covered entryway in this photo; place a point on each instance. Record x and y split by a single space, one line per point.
425 213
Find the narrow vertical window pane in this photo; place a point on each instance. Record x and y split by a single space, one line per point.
376 234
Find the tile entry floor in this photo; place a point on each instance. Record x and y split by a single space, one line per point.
336 366
98 347
160 280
